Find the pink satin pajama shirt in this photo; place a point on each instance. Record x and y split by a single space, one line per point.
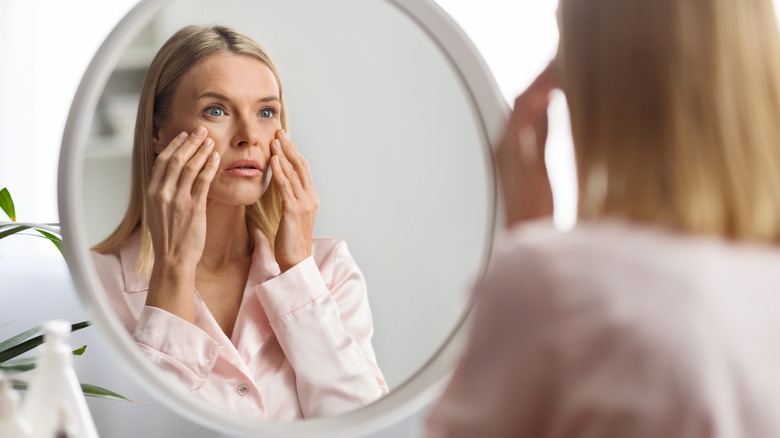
620 330
301 345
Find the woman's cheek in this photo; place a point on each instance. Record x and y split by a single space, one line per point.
221 140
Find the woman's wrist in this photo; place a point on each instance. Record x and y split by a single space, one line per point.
530 196
284 266
172 288
173 266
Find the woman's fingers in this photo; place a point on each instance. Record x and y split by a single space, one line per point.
176 156
200 189
521 166
299 202
528 123
282 182
295 158
194 166
160 166
535 99
183 172
288 170
296 167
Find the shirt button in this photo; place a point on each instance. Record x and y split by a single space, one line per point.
242 389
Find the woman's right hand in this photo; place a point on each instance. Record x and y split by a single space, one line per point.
176 215
522 171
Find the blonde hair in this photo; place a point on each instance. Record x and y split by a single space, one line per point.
187 47
675 111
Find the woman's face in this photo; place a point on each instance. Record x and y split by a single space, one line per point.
236 98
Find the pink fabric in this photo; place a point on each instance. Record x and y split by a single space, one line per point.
616 330
301 346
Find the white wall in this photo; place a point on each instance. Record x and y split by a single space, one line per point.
46 46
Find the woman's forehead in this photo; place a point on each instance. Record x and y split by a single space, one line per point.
229 74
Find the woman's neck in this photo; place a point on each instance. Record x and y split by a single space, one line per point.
227 237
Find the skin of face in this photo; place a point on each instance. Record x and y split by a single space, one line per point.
236 98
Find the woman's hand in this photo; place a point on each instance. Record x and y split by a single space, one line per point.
520 156
299 203
176 214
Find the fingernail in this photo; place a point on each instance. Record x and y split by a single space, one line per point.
183 135
214 156
285 136
200 131
278 145
208 143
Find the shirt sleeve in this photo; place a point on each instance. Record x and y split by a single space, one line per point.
176 346
325 332
109 272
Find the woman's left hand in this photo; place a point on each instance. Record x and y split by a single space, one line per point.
299 202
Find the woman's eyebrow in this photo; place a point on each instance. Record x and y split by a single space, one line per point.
220 96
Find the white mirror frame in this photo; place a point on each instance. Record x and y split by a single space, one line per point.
415 393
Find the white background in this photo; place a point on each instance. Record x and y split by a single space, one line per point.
45 46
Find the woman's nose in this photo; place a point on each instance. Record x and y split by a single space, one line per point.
247 132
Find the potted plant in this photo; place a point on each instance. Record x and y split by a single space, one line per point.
12 348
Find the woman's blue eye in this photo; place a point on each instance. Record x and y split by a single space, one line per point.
267 113
215 111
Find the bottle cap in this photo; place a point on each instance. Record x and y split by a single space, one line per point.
57 329
54 334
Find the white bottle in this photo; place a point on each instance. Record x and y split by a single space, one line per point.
54 389
12 424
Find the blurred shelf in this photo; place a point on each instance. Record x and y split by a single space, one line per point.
105 148
136 58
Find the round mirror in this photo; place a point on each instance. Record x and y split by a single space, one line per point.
394 110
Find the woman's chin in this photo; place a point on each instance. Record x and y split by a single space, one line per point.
237 196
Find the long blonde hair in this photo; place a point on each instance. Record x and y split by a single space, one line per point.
187 47
675 111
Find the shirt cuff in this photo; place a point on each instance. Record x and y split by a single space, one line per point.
291 290
176 343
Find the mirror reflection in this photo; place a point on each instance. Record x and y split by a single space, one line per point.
223 203
325 276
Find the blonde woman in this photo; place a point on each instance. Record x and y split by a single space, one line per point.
657 315
214 269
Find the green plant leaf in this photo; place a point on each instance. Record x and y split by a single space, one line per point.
56 240
29 363
96 391
7 204
23 347
87 389
13 230
9 229
19 365
19 385
79 325
21 337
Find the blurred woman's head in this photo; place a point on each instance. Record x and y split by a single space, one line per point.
674 108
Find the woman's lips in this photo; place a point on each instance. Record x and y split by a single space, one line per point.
245 169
